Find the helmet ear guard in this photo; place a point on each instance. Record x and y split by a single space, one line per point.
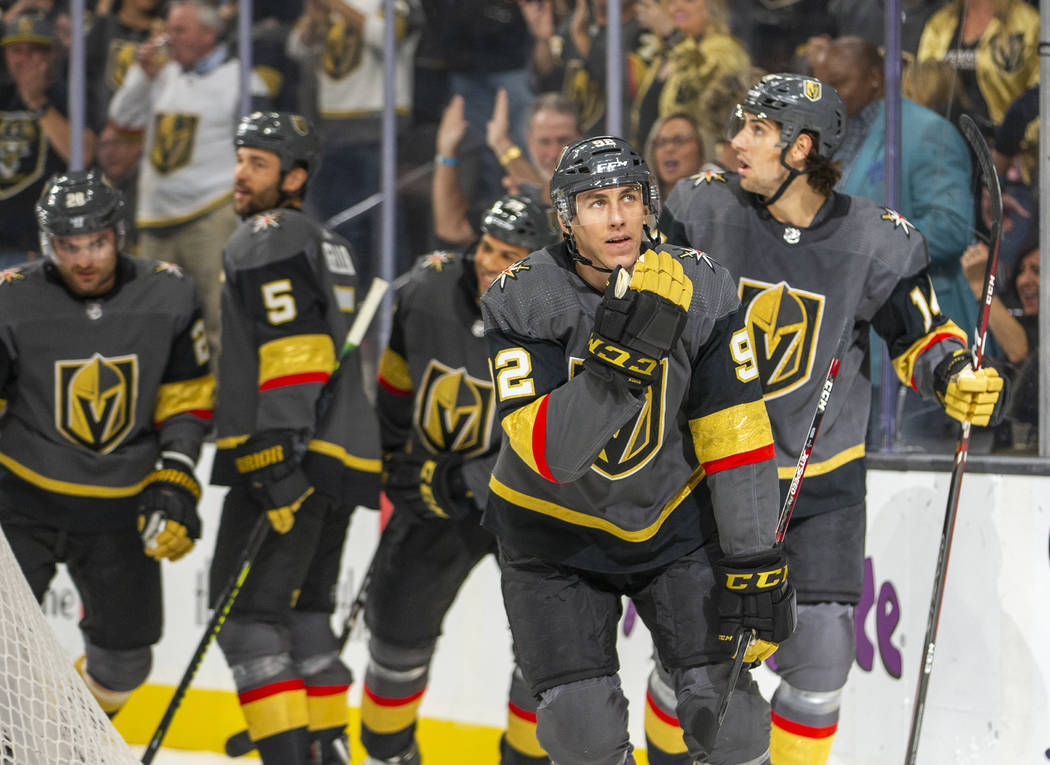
79 202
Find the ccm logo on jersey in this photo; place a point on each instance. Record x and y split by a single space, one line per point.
753 581
621 357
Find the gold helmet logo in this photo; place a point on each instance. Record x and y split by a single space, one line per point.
782 325
95 400
455 411
812 90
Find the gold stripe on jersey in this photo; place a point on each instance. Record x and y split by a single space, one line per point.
184 396
519 426
335 451
734 430
67 487
576 518
393 371
904 364
295 357
825 466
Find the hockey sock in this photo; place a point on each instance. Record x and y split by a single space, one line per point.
519 745
804 725
389 708
277 719
663 735
110 701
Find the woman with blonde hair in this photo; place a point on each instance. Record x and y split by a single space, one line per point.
698 52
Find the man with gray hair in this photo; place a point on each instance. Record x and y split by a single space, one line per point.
182 95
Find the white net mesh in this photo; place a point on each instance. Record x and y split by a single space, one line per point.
47 714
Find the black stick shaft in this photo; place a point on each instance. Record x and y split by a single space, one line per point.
990 180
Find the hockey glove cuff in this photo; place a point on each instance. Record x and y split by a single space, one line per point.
168 521
969 396
269 462
756 595
639 321
431 486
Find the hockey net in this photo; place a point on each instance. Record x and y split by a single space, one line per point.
47 714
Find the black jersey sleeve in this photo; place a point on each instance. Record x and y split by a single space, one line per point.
395 389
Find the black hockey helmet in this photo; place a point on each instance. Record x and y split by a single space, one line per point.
595 163
290 136
520 222
79 202
798 103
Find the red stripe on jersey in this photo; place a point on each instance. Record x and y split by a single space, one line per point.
660 714
743 458
272 689
384 702
521 713
936 339
326 690
798 729
389 387
296 379
539 440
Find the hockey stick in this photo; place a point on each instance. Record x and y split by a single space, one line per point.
744 637
990 181
258 535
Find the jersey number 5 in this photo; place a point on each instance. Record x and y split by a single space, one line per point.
277 297
513 370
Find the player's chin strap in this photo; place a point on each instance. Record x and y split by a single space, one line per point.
793 173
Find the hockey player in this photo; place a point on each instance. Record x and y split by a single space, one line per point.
806 260
638 461
288 299
104 365
439 435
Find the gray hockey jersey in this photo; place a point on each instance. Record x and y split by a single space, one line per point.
602 478
97 387
435 393
859 262
289 297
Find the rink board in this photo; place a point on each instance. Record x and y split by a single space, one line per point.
988 696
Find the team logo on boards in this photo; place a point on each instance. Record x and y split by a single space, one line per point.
783 325
455 410
173 139
95 400
638 441
343 47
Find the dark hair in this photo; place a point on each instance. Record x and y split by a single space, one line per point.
822 173
555 101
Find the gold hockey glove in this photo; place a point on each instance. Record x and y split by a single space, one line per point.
168 521
641 318
269 462
756 595
976 397
430 486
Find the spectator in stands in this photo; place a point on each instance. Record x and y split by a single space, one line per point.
934 196
118 156
183 94
344 40
572 58
867 19
36 140
553 124
110 51
699 52
674 150
1016 155
991 44
774 31
716 110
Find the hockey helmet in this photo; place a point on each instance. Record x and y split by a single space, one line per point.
518 221
798 103
79 202
290 136
596 163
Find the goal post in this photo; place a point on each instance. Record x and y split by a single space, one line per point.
47 714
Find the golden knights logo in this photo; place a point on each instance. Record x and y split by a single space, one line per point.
23 152
173 139
783 325
585 93
455 410
638 441
342 49
95 400
812 90
120 58
1008 51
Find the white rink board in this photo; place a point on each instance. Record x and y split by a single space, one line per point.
988 695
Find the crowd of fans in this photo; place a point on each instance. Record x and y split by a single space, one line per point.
491 90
